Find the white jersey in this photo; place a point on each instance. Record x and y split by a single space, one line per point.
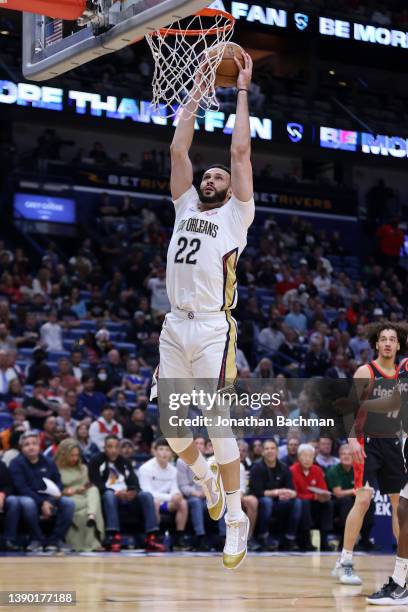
204 251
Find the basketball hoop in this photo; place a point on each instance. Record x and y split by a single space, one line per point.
187 54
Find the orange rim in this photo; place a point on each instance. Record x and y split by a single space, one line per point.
207 12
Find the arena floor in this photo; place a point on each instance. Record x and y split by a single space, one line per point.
132 581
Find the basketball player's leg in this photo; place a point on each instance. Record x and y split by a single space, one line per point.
356 516
364 480
391 476
394 499
394 591
174 379
214 362
176 376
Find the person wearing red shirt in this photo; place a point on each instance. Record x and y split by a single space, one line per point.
390 242
317 507
285 284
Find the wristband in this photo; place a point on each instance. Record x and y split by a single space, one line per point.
238 90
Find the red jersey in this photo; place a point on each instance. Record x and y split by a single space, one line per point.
301 481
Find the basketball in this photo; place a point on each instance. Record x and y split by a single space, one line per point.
227 71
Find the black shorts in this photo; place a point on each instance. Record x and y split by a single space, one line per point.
384 466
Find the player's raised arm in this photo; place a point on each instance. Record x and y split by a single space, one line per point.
181 177
241 167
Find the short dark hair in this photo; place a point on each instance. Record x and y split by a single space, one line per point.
220 166
87 376
111 437
268 441
161 442
373 332
108 407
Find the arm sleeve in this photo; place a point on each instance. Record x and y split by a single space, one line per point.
21 485
145 480
243 212
6 484
55 475
190 197
174 486
287 479
132 481
184 478
331 479
95 436
296 484
95 477
321 481
256 485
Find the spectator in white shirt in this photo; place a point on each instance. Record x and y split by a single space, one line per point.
104 426
270 338
51 333
324 456
7 374
159 477
7 342
241 360
157 287
65 418
76 359
322 281
360 343
42 283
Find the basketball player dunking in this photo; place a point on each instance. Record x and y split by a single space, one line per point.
199 334
374 440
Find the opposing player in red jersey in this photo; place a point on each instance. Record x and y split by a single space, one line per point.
395 592
374 440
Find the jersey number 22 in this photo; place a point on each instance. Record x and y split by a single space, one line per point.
183 243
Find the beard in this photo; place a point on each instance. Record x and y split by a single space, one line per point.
218 197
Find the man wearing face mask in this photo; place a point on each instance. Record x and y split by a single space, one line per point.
103 381
104 426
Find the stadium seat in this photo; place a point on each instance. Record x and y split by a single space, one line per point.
68 344
131 396
126 346
55 355
88 325
146 372
113 326
6 421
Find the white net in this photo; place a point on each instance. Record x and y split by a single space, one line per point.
187 55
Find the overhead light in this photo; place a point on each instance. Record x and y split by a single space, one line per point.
4 32
343 83
332 72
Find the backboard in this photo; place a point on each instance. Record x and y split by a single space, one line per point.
52 46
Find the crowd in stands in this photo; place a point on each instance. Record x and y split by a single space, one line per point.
79 333
58 501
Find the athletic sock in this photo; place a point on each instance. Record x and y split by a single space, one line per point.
346 556
400 571
201 468
234 508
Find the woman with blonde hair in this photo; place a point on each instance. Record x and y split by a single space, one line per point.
87 530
